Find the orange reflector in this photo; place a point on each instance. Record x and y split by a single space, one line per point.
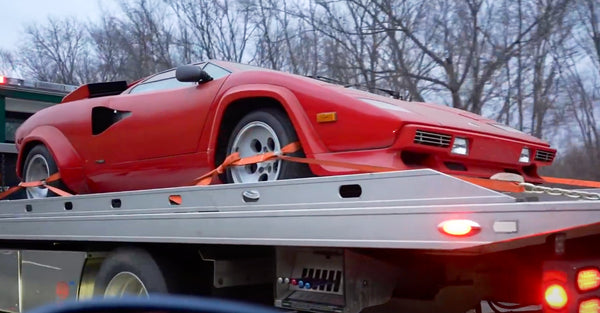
175 200
588 279
589 306
459 227
556 296
326 117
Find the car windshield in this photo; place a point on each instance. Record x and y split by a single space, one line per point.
246 67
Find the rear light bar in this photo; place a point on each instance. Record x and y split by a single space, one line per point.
589 306
556 297
22 83
588 279
571 286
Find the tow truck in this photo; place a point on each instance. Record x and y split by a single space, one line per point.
407 241
19 99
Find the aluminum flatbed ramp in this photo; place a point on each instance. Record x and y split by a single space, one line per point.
399 210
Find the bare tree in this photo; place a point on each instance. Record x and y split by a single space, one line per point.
7 62
580 80
213 29
589 14
274 47
54 50
146 37
462 40
111 59
547 56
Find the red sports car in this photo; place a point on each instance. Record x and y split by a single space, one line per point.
169 128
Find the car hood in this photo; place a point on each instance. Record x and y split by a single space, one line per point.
438 115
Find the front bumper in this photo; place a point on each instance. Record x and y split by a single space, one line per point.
487 155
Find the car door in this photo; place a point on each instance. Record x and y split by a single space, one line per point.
159 119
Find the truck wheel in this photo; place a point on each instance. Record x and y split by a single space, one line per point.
266 130
39 165
133 271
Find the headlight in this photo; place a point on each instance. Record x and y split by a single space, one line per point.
524 157
460 146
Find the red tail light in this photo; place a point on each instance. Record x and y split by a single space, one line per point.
555 296
589 306
459 227
2 80
588 279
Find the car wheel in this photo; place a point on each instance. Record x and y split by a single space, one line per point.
133 272
266 130
39 165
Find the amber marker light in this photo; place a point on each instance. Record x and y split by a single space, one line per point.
588 279
459 228
556 296
326 117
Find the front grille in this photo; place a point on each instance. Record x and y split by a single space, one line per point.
544 156
432 139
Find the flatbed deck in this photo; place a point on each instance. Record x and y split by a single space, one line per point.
325 211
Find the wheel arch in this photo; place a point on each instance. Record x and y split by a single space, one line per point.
239 101
187 273
23 154
68 161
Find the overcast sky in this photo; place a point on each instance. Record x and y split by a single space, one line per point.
16 14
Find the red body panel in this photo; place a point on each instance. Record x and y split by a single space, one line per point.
169 137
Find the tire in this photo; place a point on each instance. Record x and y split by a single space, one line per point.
39 165
133 271
261 131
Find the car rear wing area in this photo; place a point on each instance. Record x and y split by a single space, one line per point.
95 90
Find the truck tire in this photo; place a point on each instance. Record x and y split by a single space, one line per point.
260 131
134 271
39 164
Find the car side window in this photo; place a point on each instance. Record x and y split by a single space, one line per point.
215 71
162 81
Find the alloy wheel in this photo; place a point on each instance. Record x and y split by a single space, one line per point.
256 138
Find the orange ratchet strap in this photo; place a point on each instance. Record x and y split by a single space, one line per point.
52 178
498 185
235 160
510 186
572 182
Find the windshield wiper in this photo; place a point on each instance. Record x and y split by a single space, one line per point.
327 79
393 93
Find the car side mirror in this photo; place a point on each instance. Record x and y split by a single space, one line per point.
192 73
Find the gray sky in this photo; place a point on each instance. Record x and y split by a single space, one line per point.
16 14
